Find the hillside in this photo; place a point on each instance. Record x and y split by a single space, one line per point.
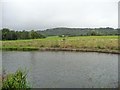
79 31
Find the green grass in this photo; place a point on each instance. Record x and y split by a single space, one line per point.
95 43
15 81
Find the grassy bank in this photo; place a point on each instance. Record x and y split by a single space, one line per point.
80 43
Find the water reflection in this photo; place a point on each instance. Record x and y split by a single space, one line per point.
65 69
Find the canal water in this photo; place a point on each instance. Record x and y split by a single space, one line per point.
48 69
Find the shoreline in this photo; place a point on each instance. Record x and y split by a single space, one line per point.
101 44
63 49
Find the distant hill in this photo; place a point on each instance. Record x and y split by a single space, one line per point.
79 31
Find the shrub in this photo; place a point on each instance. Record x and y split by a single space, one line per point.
16 81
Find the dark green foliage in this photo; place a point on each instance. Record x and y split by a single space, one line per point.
35 35
94 33
8 35
15 35
21 48
80 31
15 81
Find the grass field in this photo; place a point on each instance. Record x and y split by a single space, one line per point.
85 43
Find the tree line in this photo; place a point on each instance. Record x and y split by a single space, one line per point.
8 34
80 31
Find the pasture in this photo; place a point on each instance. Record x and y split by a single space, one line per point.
92 43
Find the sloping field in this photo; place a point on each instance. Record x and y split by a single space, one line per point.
90 43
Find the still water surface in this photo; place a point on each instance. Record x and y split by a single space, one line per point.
64 69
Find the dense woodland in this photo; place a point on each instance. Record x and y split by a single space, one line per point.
8 34
16 35
80 31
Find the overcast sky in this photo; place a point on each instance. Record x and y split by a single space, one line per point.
43 14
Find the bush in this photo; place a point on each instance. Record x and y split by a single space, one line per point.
16 81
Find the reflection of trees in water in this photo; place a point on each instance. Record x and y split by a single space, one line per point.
32 58
32 67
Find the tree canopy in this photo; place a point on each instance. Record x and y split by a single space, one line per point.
8 34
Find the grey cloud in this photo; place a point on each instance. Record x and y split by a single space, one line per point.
42 14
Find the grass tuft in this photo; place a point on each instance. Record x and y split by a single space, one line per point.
16 81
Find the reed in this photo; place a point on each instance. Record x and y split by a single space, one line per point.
15 81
